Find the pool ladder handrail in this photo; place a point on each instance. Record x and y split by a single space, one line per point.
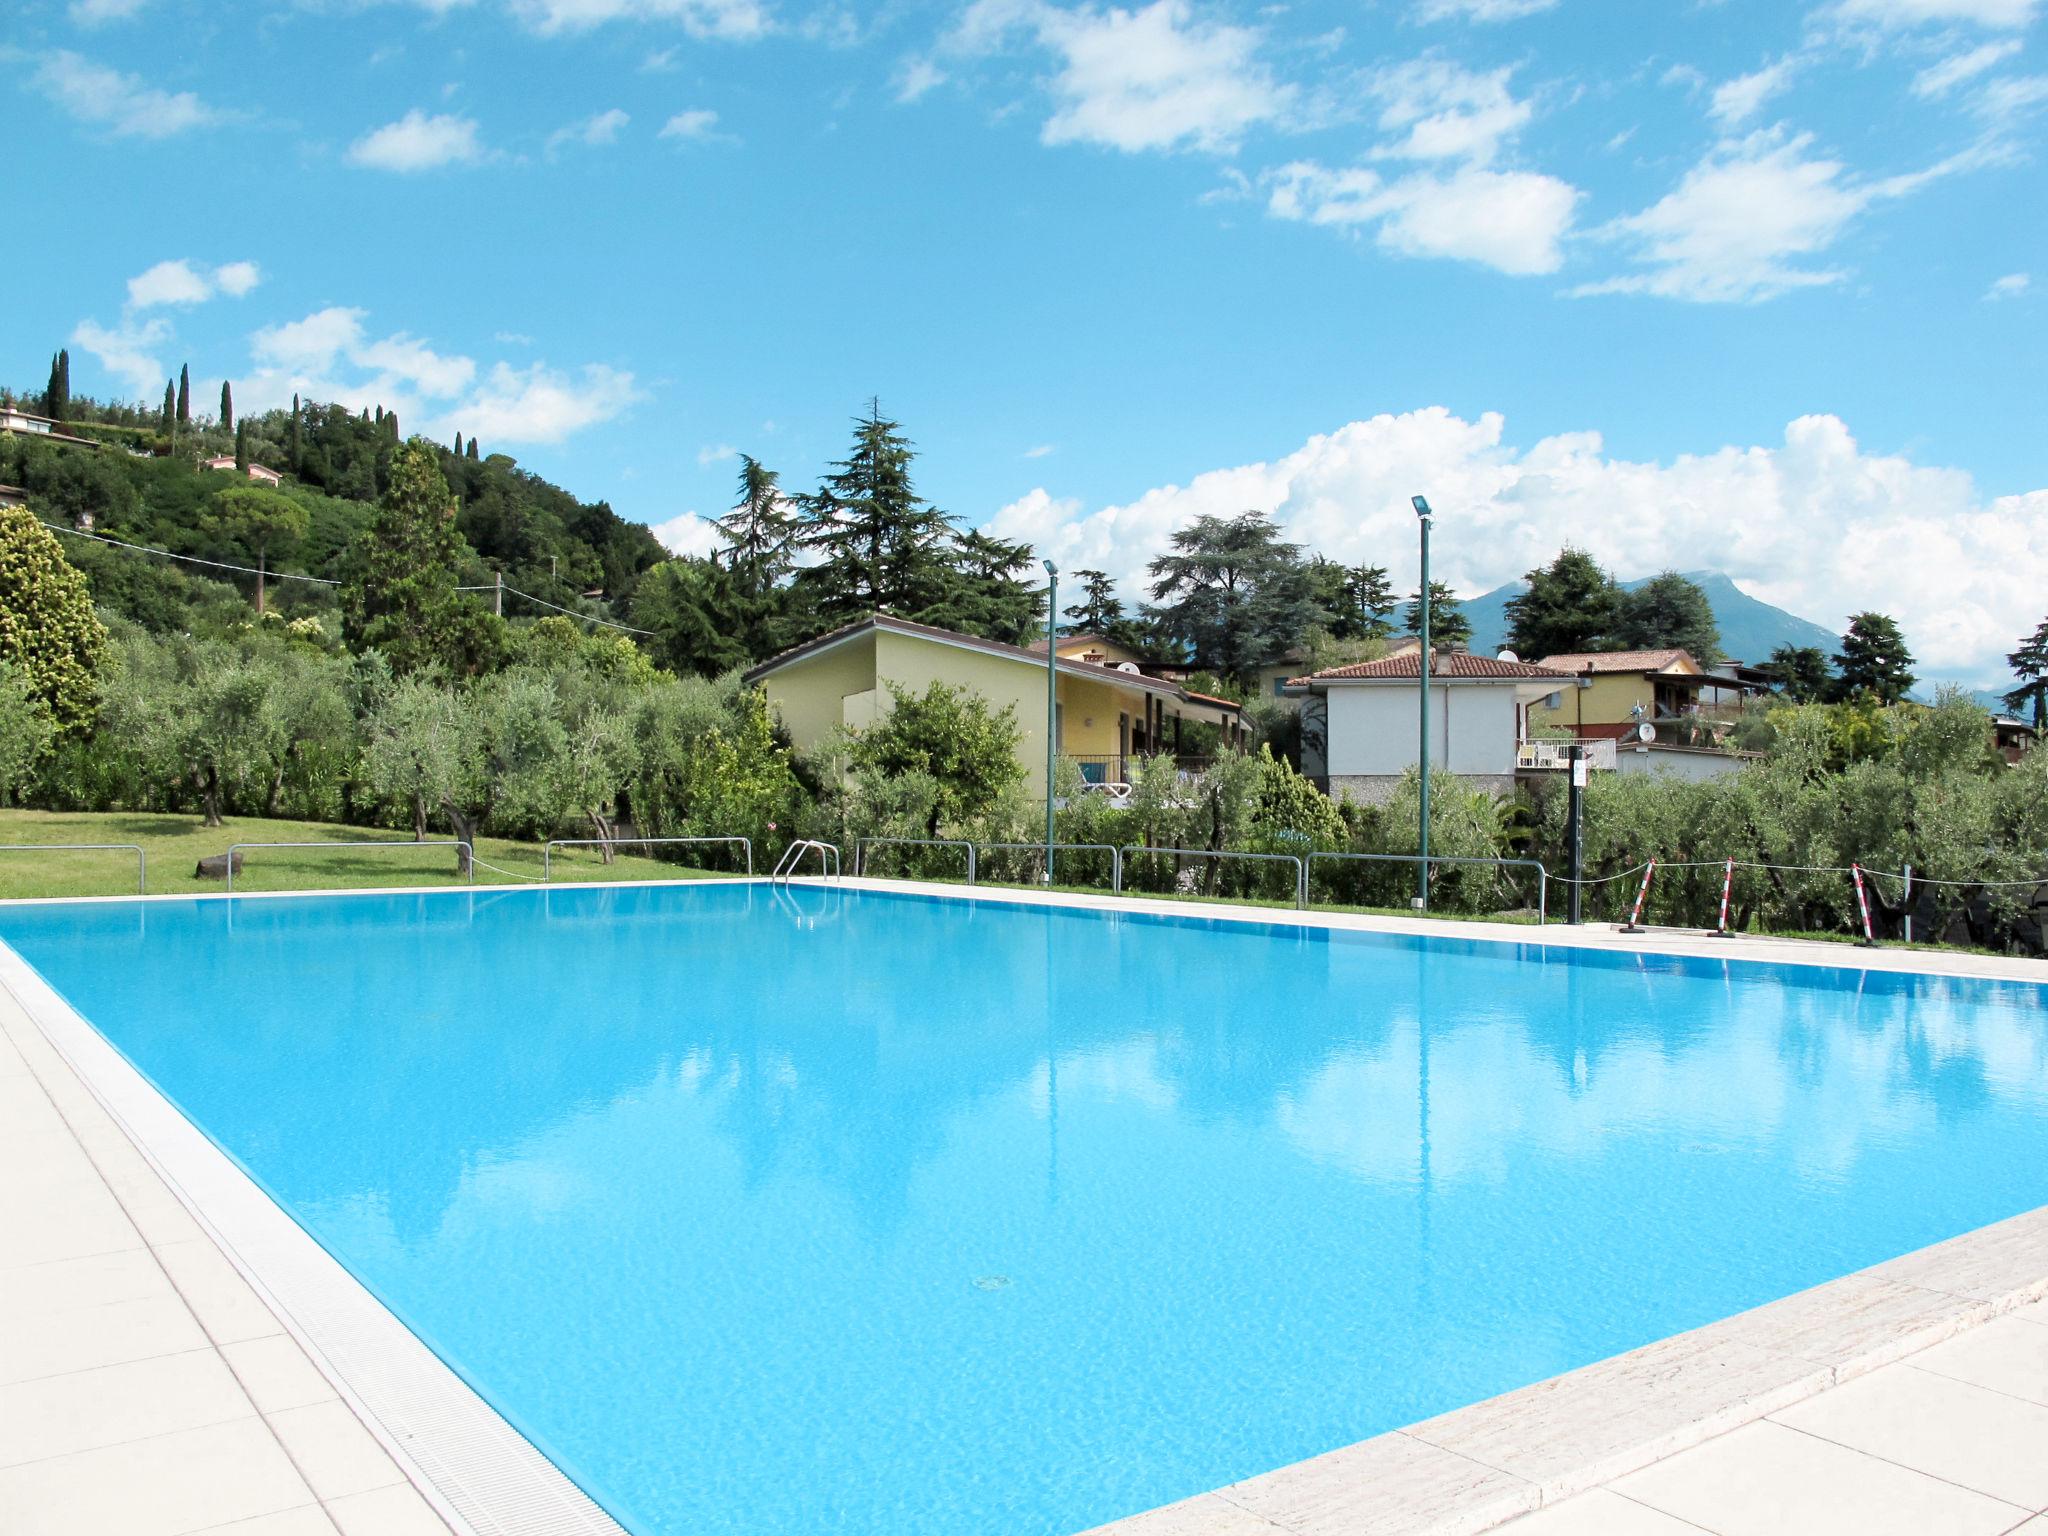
793 855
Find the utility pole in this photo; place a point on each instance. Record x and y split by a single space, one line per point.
1052 707
498 595
1575 807
1422 880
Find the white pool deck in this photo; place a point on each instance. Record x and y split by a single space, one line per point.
177 1357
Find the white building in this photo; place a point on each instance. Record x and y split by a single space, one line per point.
262 474
1360 730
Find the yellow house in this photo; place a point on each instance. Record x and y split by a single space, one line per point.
1106 716
1618 690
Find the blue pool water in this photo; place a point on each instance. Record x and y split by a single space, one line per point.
803 1210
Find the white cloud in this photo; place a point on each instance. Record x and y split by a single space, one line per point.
1912 13
916 77
410 362
731 20
1445 112
1480 10
91 13
417 142
539 404
697 124
716 453
313 344
2011 286
1513 221
1158 77
237 278
121 104
1746 222
1038 452
593 132
179 282
1813 523
1939 79
1462 208
1737 101
660 62
689 534
2002 103
127 351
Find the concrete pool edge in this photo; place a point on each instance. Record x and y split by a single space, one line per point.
1464 1472
479 1473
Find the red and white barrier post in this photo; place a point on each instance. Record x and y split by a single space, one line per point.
1863 901
1727 891
1635 916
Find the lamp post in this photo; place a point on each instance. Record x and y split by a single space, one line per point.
1422 880
1052 709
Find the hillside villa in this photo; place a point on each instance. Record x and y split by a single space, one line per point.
1108 713
1361 730
262 474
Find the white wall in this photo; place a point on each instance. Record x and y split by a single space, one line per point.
1677 762
1373 728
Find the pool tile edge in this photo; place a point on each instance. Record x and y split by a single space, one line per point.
1565 1436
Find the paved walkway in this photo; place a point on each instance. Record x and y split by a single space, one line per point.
1952 1441
145 1389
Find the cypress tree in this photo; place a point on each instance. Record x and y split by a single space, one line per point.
50 389
242 447
184 395
63 411
170 404
458 445
295 434
227 406
472 448
391 424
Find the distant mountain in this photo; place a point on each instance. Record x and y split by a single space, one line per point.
1750 629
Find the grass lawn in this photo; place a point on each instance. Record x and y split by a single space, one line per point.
175 844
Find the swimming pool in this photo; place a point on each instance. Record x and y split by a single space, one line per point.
805 1209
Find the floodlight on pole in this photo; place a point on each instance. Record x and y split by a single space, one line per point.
1422 515
1052 709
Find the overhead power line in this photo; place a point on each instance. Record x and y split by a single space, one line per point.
218 565
318 581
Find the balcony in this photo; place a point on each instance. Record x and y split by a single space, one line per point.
1120 767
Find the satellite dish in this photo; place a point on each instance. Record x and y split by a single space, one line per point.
1127 666
1507 655
1646 733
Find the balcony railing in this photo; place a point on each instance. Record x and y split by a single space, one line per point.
1121 767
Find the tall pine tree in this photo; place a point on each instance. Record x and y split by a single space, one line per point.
2030 665
242 447
1448 626
759 529
184 395
1233 594
295 445
170 404
883 546
1874 660
1099 609
1569 605
227 407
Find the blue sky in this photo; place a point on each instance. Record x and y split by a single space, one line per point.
1751 286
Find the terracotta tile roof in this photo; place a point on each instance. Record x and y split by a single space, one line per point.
1619 661
1445 664
1069 665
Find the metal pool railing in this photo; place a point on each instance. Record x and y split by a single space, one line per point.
793 855
468 853
861 845
1116 858
547 854
1543 876
1300 867
141 858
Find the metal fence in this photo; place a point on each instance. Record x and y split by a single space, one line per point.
1300 865
141 858
861 845
1543 876
547 854
1116 858
468 854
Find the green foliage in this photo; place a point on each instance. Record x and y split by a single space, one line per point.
952 736
1448 625
400 598
1670 612
1800 672
26 733
760 530
1099 609
2030 665
184 395
1874 660
881 545
227 410
48 630
1233 594
1571 605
